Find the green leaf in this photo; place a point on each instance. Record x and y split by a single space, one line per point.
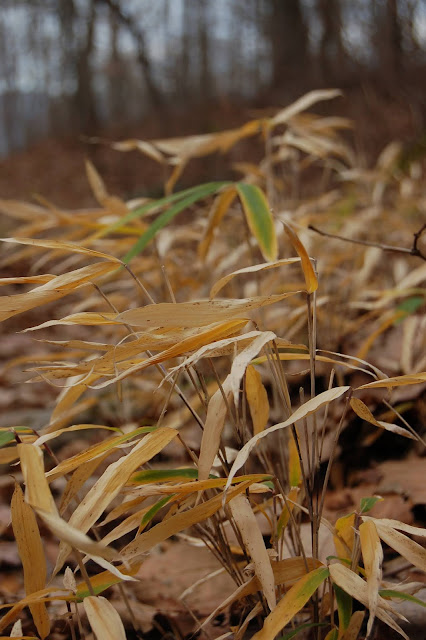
164 218
409 306
259 218
344 607
307 625
393 593
368 503
163 475
8 435
155 508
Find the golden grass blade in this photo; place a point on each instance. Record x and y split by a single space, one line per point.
96 183
253 269
167 528
242 359
294 466
303 103
308 271
259 219
364 413
107 487
291 603
400 526
213 427
306 409
195 314
62 245
39 596
41 279
344 536
30 549
102 581
355 625
287 510
397 381
221 205
87 318
55 289
255 545
37 492
257 399
139 145
412 551
372 554
357 588
104 619
78 479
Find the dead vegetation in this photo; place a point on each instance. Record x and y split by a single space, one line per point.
207 357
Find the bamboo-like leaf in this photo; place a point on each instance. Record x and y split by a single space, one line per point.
259 219
221 205
255 545
355 586
197 313
252 269
213 427
291 603
364 413
257 399
107 487
176 523
304 410
372 554
104 619
354 627
102 581
63 246
294 466
55 289
30 549
304 103
167 216
287 509
406 547
344 535
344 608
308 270
397 381
37 493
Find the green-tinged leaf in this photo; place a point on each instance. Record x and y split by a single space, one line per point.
8 435
164 218
394 593
409 306
101 582
164 475
368 503
155 509
344 608
302 627
332 635
291 603
259 218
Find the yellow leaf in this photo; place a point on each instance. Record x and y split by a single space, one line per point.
412 551
253 269
345 536
354 626
372 554
364 413
255 545
308 271
304 410
107 487
291 603
398 381
30 549
61 245
38 493
221 205
257 399
104 619
259 218
294 468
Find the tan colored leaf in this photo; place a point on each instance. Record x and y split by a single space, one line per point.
221 205
107 487
62 245
372 554
356 587
195 314
176 523
104 619
30 549
55 289
88 318
255 545
253 269
398 381
364 413
213 427
306 409
303 103
291 603
257 399
355 624
96 183
139 145
37 490
412 551
308 270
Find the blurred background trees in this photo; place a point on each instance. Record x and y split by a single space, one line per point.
79 66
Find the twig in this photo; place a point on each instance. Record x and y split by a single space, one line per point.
414 251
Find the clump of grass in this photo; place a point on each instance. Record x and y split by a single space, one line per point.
142 334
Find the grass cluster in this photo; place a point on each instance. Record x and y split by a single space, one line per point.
217 338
